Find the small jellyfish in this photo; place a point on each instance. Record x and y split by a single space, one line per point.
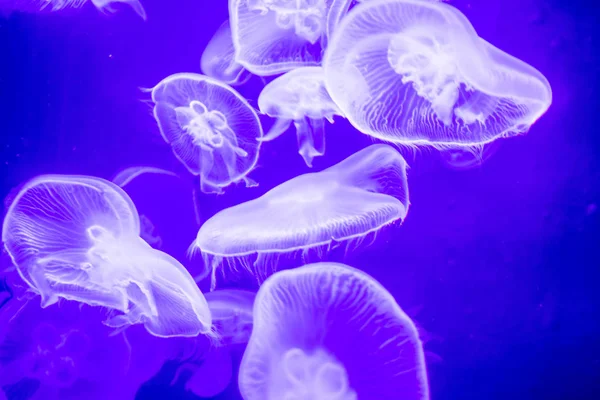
308 214
212 130
231 311
77 238
329 331
415 72
218 59
275 36
104 6
300 97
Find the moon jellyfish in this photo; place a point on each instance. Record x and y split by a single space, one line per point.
231 311
218 59
105 6
415 72
300 97
308 214
77 238
212 130
329 331
275 36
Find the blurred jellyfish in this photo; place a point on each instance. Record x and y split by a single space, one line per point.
206 375
77 238
309 213
275 36
329 331
104 6
124 177
218 59
212 130
299 96
231 311
415 72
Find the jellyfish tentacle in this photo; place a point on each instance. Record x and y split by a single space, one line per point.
280 126
311 138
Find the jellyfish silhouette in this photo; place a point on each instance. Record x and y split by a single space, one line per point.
308 214
218 59
300 97
212 130
275 36
77 238
415 72
329 331
231 311
104 6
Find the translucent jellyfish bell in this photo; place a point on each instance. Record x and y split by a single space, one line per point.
329 331
275 36
231 311
105 6
212 130
218 59
77 238
344 203
413 71
300 97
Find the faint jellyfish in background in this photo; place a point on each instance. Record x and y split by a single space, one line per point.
104 6
415 72
308 215
212 130
77 238
275 36
466 158
218 59
329 331
300 97
231 311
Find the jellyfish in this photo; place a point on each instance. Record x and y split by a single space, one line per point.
300 97
77 238
308 214
329 331
126 176
212 130
415 72
104 6
275 36
231 311
218 59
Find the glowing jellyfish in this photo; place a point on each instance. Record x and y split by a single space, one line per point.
329 331
105 6
275 36
77 238
213 130
231 311
309 213
218 59
300 96
415 72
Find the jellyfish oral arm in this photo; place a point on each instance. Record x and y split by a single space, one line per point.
311 138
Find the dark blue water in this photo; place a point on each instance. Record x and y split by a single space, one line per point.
498 264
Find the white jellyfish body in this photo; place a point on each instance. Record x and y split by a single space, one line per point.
300 96
218 59
415 72
344 203
329 331
275 36
212 130
104 6
77 238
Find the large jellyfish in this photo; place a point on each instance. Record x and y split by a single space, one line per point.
329 331
218 59
415 72
105 6
308 214
213 130
300 97
275 36
77 238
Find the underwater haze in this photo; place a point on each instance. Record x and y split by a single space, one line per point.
497 261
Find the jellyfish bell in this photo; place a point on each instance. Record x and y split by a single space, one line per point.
309 213
212 130
299 96
275 36
218 59
329 331
415 72
77 238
